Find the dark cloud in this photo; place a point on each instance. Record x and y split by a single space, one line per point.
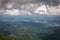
20 1
4 3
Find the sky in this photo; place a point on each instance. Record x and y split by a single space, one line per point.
14 5
10 3
23 7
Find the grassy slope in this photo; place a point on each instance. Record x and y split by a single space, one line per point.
5 38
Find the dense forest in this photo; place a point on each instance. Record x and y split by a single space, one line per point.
23 30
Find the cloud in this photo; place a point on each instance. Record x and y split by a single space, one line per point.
14 7
11 12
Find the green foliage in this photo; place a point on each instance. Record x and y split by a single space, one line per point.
27 37
27 30
5 38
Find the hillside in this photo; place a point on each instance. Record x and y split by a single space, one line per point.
21 30
6 38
